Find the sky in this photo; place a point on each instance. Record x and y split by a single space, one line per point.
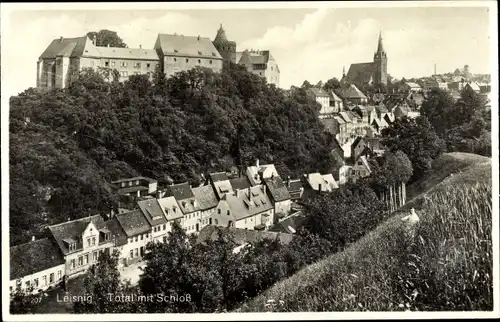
308 44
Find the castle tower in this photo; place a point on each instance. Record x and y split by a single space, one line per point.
226 48
380 61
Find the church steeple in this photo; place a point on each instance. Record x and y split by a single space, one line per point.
380 48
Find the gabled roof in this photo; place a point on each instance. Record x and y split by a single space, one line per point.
277 189
128 53
205 197
326 181
353 92
290 225
413 85
152 211
360 73
117 232
363 159
73 230
294 188
339 119
188 46
133 223
334 96
218 176
170 208
67 47
180 191
222 187
240 183
356 142
380 122
380 108
317 92
346 117
243 205
242 236
261 57
33 257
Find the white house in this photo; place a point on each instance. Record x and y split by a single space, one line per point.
279 195
258 172
138 234
172 211
155 216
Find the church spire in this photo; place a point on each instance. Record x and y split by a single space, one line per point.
380 48
343 71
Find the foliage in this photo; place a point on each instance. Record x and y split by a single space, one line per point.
102 285
24 302
106 38
67 145
417 139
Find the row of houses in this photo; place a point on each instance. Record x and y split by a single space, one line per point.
257 201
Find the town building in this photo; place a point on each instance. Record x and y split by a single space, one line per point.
206 201
295 189
279 195
256 173
184 195
369 73
260 62
358 147
136 186
137 233
336 102
323 99
220 184
353 95
81 242
172 211
155 216
360 169
36 266
409 87
316 182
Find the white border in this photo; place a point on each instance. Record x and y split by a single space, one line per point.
7 8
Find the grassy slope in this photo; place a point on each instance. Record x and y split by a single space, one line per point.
446 265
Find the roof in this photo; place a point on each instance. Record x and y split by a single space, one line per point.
353 92
474 86
73 230
380 122
277 189
190 46
380 108
116 231
412 85
134 179
170 208
242 236
128 53
365 162
221 38
240 183
219 176
356 141
253 57
360 73
317 92
222 187
262 169
205 197
64 47
180 191
334 96
152 211
133 223
290 224
243 205
127 190
346 117
32 257
326 181
339 119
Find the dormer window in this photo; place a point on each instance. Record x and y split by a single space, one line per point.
200 53
176 51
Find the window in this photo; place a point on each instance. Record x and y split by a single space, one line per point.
131 253
88 241
94 256
124 74
51 278
216 221
137 73
154 229
106 63
72 264
142 237
164 226
44 280
59 275
80 261
91 63
210 62
35 282
148 65
86 259
93 241
112 64
199 61
137 65
157 65
123 64
18 284
187 60
219 211
136 238
27 283
130 240
137 252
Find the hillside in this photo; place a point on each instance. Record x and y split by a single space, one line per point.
447 265
66 146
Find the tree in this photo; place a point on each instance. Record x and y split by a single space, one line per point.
24 302
105 38
417 139
103 284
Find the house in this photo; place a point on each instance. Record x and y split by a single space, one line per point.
81 241
375 145
357 147
335 102
138 233
206 201
248 209
295 189
172 211
261 63
184 195
316 182
474 86
354 95
323 99
290 224
400 110
259 172
220 183
360 169
409 87
36 266
279 195
341 128
434 83
415 100
136 186
366 112
242 236
378 124
155 216
343 174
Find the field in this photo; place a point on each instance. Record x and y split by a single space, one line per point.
442 264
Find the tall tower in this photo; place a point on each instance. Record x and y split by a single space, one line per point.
226 48
380 61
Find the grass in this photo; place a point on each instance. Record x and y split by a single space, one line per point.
444 264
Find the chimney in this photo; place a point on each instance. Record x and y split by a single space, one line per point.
264 188
250 193
94 40
288 182
61 39
69 219
257 163
198 37
140 46
237 193
33 238
319 187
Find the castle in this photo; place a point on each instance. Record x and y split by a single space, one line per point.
59 65
374 73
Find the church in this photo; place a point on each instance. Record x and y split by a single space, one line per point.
374 73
